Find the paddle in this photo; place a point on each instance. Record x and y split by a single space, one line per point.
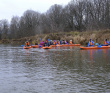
39 46
96 44
99 46
22 45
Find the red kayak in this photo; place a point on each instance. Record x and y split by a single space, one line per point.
95 47
53 45
26 47
35 46
59 45
46 47
71 45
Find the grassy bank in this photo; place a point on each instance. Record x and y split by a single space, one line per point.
77 37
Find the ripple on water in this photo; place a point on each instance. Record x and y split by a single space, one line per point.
60 70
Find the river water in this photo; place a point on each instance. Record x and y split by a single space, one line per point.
58 70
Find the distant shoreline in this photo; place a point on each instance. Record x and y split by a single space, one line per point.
77 37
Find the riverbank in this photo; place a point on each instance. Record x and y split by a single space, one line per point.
77 37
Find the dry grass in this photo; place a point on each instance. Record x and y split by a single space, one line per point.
77 37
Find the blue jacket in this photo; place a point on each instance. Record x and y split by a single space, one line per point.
106 42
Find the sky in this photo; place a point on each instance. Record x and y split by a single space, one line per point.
10 8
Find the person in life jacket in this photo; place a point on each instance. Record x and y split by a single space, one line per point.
54 43
46 43
41 43
106 43
91 43
71 42
51 42
65 42
58 42
27 43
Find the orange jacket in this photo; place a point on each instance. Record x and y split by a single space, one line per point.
70 42
27 43
54 43
105 43
90 43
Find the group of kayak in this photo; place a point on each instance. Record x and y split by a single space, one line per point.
49 43
91 45
52 43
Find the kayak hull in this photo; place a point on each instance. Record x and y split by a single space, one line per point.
95 47
46 47
35 46
26 47
40 46
59 45
71 45
53 45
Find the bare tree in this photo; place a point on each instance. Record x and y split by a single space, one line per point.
29 22
76 15
14 27
44 24
4 29
54 17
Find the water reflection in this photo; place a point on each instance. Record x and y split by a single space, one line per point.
91 56
96 55
106 55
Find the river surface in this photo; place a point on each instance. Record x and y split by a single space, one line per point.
58 70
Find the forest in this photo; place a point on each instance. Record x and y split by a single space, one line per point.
77 15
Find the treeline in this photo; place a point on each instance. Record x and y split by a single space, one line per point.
81 15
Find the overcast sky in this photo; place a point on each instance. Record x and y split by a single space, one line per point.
10 8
